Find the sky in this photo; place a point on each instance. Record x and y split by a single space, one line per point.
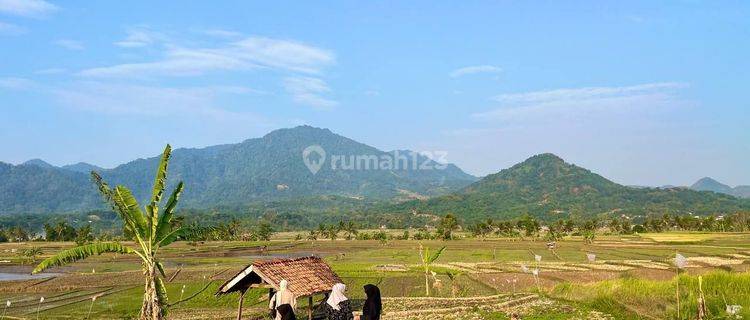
642 92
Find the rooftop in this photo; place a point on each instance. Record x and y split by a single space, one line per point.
306 276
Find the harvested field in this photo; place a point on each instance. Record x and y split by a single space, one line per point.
475 279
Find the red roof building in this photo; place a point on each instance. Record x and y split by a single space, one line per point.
307 276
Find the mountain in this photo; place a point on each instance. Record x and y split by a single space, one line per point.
82 167
39 163
742 191
30 188
709 184
266 168
548 187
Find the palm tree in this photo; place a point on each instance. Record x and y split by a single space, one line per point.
351 230
150 230
333 232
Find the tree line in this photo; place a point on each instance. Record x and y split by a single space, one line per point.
529 226
444 228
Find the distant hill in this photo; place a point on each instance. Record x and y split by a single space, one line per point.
709 184
266 168
78 167
548 187
30 188
82 167
39 163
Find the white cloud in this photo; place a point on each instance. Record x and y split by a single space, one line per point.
186 58
249 53
221 33
140 36
283 54
11 29
69 44
308 91
177 62
27 8
475 69
149 100
584 93
13 83
577 102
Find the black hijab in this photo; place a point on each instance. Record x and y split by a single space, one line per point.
286 312
373 306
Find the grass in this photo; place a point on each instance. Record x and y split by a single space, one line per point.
627 296
483 268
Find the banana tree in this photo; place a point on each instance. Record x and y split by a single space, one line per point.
150 228
427 259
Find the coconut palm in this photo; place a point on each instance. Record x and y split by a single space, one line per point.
151 230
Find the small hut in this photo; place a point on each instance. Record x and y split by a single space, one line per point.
307 276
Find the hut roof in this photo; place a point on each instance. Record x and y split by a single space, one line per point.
306 276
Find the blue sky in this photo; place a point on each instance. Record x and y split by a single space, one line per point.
646 93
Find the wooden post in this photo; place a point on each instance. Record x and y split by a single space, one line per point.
239 309
309 307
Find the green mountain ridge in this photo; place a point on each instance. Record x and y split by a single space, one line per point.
709 184
259 169
547 187
39 163
29 188
269 172
82 167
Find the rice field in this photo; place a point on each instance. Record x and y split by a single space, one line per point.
628 278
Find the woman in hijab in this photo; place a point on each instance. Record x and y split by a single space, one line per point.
373 306
337 305
286 312
283 296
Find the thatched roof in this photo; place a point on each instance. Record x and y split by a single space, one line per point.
306 276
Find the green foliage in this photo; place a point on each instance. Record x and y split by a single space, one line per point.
163 226
161 291
547 188
263 231
529 225
405 236
332 232
719 288
31 188
61 231
447 226
84 235
435 255
149 235
350 228
81 252
427 259
262 169
32 253
313 235
541 190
